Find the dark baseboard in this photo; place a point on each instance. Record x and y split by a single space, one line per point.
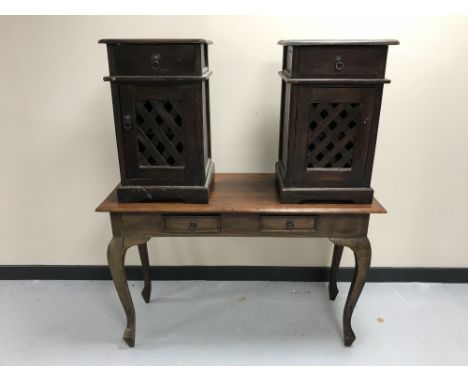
232 273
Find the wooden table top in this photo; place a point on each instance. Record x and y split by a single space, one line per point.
241 193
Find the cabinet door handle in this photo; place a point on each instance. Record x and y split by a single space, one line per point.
127 122
290 225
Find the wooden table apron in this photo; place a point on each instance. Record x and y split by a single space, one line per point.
254 211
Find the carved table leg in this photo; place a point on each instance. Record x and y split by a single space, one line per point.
335 265
116 259
362 255
143 251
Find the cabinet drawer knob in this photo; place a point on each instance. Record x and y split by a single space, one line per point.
127 122
192 225
289 225
156 61
339 64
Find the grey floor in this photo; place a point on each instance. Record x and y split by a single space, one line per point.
226 323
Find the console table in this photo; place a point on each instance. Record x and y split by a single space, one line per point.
239 205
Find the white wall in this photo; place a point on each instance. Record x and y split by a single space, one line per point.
58 156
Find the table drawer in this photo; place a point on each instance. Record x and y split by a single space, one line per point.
269 223
341 61
190 224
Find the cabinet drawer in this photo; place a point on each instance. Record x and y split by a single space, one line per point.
287 223
157 59
341 61
190 224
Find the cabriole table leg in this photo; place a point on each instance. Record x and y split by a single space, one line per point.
335 265
362 255
143 251
116 259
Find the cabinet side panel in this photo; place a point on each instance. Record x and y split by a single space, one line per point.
280 141
206 123
285 124
115 91
197 146
373 136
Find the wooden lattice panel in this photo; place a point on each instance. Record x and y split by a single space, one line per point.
159 133
332 135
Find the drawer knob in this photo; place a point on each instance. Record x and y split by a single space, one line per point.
192 225
339 64
156 61
289 225
127 122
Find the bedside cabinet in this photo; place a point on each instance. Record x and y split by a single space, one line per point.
160 96
330 106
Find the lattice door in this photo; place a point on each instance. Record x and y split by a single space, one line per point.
332 135
159 133
332 128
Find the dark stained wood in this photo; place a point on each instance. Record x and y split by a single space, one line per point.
145 41
320 176
330 107
161 116
316 194
338 42
203 77
339 61
241 193
157 59
287 78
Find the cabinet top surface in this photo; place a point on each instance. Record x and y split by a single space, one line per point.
150 41
338 42
241 193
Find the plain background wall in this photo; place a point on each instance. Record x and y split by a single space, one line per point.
58 156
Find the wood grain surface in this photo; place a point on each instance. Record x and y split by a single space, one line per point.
241 193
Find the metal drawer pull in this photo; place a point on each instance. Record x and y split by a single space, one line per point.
339 65
289 225
192 225
156 61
